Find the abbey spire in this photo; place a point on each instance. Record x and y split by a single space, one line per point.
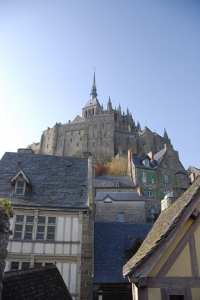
93 89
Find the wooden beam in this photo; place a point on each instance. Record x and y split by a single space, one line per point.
194 214
173 282
193 257
143 294
147 265
179 248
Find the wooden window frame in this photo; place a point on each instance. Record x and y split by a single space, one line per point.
184 291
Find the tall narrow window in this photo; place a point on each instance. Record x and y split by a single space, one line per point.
20 187
121 217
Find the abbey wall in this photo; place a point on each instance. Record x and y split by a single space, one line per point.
98 131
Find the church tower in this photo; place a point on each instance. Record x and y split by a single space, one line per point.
92 107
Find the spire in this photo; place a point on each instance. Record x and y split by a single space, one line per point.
165 135
93 89
109 105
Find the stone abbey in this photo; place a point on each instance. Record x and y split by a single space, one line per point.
99 131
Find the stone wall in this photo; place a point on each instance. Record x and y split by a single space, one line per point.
4 236
134 211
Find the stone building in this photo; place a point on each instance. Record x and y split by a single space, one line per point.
157 175
99 131
53 219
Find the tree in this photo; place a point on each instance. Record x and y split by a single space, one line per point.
6 206
117 166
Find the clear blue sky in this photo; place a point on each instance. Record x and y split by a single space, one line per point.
146 54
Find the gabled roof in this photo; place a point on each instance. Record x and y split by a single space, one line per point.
21 172
78 119
92 102
111 240
137 161
56 181
40 283
120 196
163 226
108 181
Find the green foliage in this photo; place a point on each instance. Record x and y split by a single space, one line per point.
7 207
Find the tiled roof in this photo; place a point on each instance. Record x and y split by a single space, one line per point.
162 227
40 283
56 181
110 242
120 196
108 181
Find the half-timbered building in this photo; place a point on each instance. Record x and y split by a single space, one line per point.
167 265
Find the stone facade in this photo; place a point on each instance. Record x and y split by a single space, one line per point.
99 131
158 175
4 236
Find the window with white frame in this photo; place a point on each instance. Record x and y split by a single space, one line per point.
45 228
144 177
166 178
20 187
150 193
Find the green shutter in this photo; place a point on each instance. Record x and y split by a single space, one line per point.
154 178
170 179
156 194
161 195
147 177
140 176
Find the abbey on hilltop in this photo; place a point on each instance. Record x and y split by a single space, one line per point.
99 131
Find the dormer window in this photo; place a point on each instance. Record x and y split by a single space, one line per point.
20 187
108 200
20 181
146 162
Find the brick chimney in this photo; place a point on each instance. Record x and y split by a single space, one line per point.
139 190
150 154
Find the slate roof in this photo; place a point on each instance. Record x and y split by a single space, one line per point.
162 227
137 161
92 102
110 241
120 196
40 283
55 181
108 181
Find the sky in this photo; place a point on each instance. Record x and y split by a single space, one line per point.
146 54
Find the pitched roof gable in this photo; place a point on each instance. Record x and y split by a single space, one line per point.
162 228
21 172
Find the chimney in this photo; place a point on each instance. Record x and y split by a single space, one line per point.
139 190
150 154
130 154
167 201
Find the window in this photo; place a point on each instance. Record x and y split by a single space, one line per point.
37 264
14 265
121 217
25 265
165 192
150 193
176 297
45 228
143 176
20 186
166 178
146 162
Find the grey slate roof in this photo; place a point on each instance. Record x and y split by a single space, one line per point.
92 102
137 161
110 242
108 181
120 196
41 283
162 227
59 182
